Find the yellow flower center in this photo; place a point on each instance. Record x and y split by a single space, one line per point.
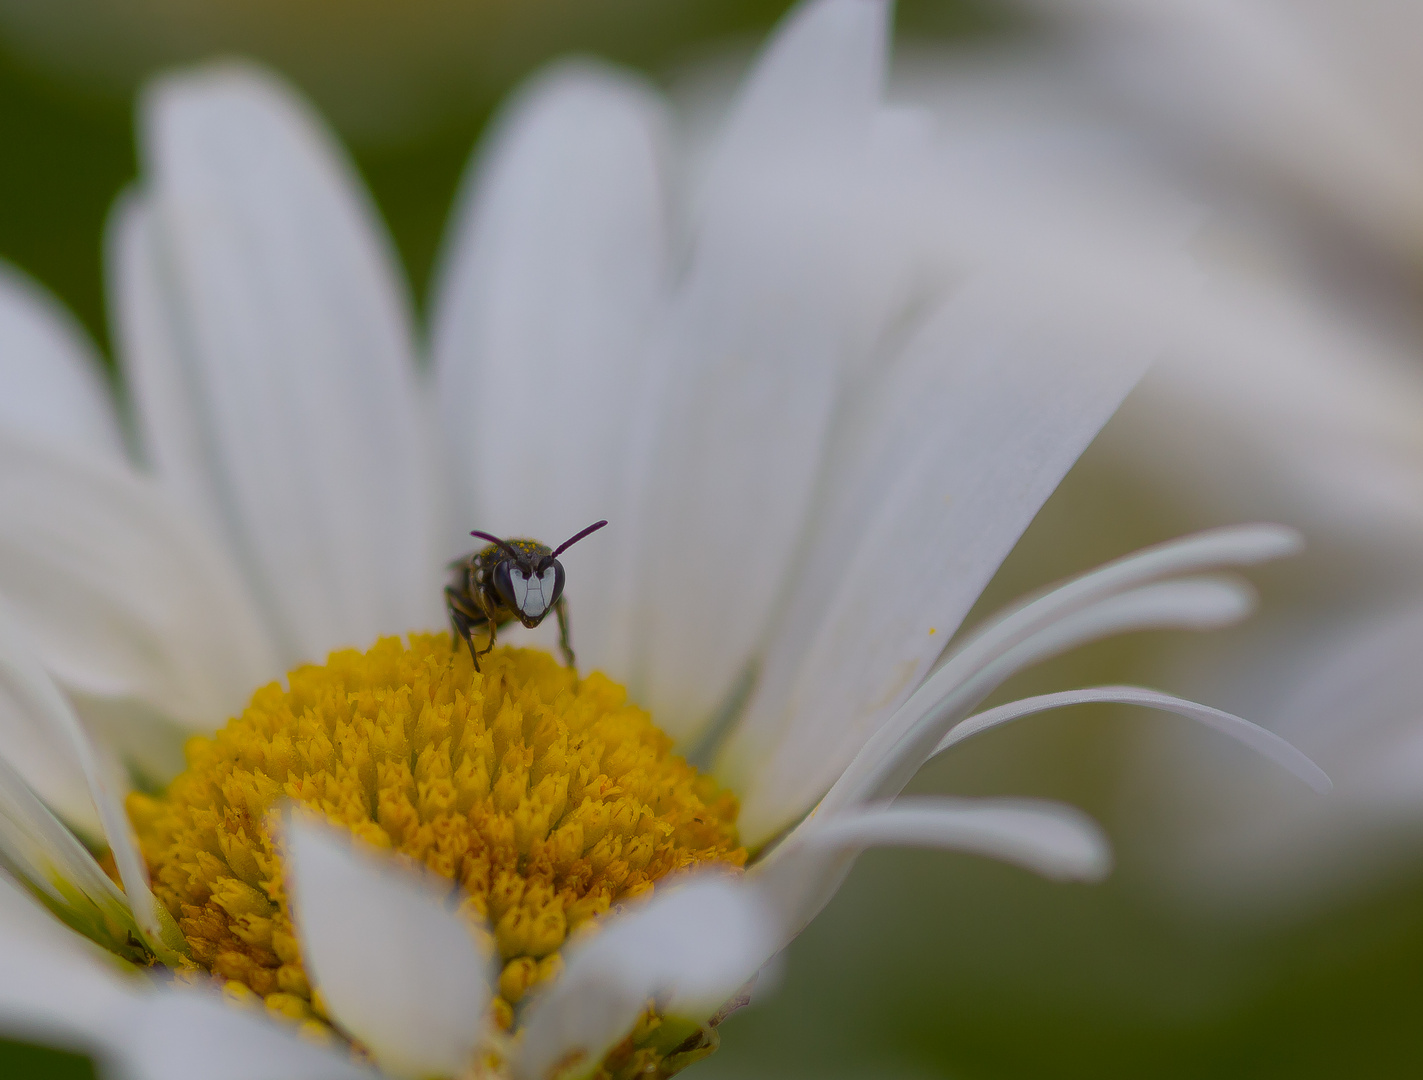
546 798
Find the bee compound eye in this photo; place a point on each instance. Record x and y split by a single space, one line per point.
556 568
503 585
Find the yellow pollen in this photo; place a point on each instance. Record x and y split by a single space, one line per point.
547 799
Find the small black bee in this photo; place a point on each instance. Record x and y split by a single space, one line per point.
507 580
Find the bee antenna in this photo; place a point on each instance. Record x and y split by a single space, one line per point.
577 537
495 540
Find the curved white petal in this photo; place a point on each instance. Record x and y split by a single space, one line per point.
55 987
40 853
801 875
51 383
988 407
1007 642
120 595
1211 549
49 732
178 1034
31 738
689 949
543 309
798 267
1203 603
394 964
1263 742
778 790
297 354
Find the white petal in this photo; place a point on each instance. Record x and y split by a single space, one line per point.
119 593
145 745
31 739
55 987
1007 642
689 948
1242 545
177 1035
1190 604
38 851
798 268
801 875
394 964
49 732
991 403
1203 603
543 308
819 77
1266 743
298 357
148 333
59 990
51 382
1319 97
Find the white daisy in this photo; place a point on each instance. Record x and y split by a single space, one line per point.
815 446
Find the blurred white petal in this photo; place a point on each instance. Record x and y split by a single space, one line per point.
819 79
801 875
38 851
991 403
548 291
794 276
1311 97
60 990
689 949
396 967
149 340
1274 398
55 746
1350 693
55 988
118 592
52 384
177 1034
296 349
31 739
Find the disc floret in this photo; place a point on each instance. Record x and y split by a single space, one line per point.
546 799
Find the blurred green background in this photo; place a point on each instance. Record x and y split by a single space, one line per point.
925 964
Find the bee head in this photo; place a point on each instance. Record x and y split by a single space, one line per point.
529 577
529 586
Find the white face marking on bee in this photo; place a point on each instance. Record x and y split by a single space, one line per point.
533 596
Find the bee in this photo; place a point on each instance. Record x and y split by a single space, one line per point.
507 580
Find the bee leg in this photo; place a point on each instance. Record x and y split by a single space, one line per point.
493 633
562 608
490 619
461 624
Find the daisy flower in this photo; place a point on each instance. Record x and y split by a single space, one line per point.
815 445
